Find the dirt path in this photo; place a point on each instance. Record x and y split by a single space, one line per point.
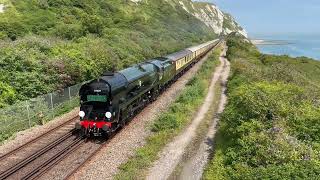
173 152
193 169
105 164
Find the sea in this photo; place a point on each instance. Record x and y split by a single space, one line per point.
294 45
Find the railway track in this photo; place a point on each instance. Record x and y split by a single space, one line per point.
39 164
43 159
84 161
73 161
33 159
42 136
54 160
11 162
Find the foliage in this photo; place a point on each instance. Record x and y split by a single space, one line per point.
270 127
46 45
170 123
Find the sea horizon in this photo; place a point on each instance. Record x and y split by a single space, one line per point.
294 45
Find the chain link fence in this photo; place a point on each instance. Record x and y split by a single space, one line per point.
37 111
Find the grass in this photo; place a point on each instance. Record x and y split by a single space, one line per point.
172 122
270 127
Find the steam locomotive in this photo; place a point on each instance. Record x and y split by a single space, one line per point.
109 102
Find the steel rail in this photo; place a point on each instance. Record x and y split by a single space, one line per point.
34 156
36 139
58 157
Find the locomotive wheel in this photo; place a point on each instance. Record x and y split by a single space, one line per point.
155 95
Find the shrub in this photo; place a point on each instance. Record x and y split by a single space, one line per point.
69 31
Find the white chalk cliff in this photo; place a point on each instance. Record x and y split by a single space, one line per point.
208 13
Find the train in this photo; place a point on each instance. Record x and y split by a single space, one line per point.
112 100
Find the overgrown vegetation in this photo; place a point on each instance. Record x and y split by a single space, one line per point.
172 122
46 45
270 128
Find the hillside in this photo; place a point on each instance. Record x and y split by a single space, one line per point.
46 45
270 128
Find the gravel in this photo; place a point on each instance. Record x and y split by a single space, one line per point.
30 149
25 136
71 162
24 171
104 165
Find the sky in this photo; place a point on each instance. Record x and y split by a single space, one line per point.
267 17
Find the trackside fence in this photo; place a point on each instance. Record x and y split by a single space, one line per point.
37 111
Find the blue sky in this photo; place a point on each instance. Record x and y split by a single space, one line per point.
261 17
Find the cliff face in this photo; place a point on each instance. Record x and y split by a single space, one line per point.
2 8
209 14
212 16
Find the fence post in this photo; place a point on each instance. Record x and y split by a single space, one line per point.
69 90
28 114
51 101
3 112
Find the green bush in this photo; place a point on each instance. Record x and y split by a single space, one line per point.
69 31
